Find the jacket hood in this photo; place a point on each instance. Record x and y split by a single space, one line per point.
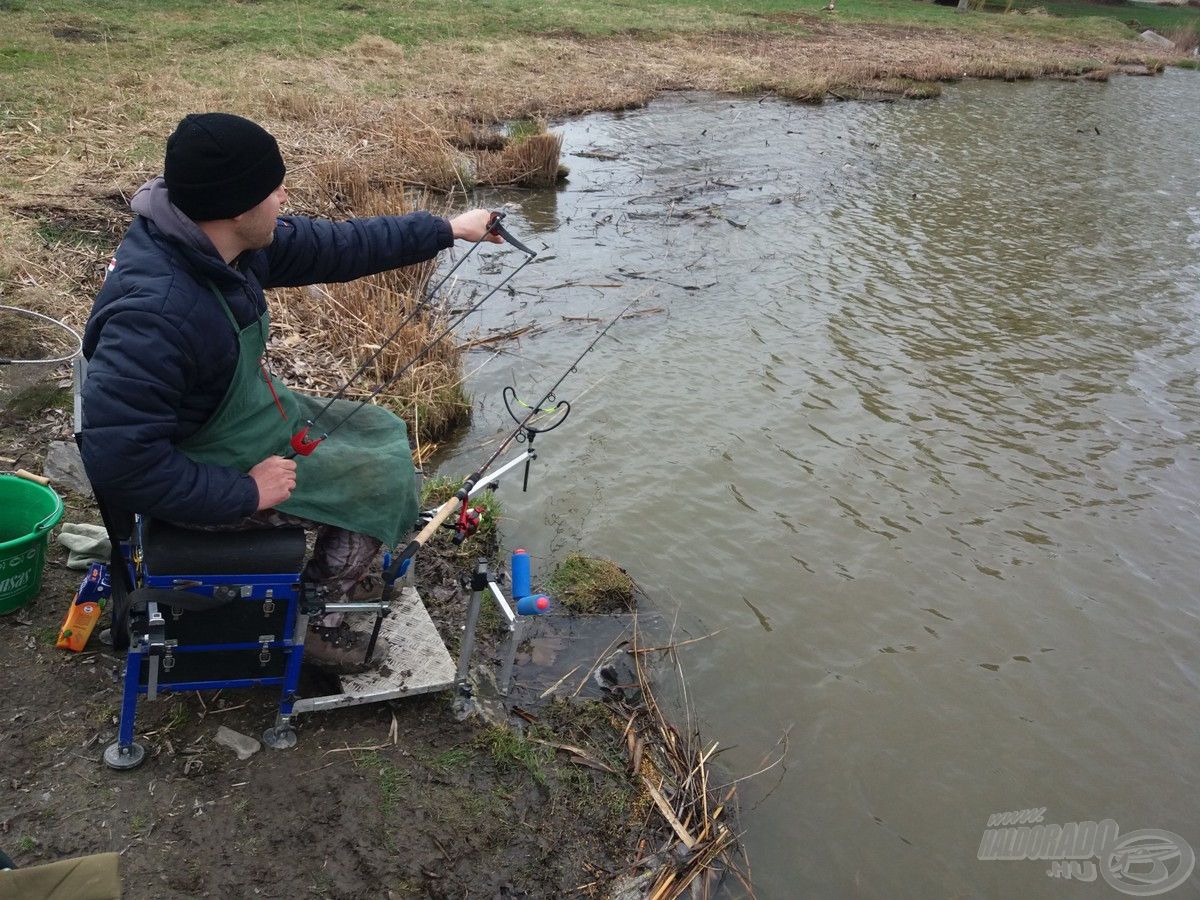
152 202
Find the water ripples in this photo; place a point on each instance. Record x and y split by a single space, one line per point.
918 426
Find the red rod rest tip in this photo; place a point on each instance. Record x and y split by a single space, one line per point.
302 446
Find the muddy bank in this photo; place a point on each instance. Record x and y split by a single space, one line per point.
388 800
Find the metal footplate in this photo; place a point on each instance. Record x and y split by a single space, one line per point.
415 661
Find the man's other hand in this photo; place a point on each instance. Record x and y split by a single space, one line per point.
471 226
275 478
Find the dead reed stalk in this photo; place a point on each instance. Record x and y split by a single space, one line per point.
1185 38
332 329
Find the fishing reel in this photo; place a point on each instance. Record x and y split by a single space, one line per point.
468 522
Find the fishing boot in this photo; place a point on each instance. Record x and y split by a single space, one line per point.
368 589
340 649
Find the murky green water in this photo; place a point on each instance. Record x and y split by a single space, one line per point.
918 428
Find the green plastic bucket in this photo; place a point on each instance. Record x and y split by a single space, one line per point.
27 513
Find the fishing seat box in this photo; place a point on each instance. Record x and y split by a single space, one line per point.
239 613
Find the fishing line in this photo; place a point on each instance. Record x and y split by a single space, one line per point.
412 313
524 432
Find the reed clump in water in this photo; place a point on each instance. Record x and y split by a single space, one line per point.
528 161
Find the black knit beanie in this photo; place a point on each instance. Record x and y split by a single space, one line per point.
219 166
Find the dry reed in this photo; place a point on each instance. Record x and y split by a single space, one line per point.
1186 39
342 325
532 162
345 159
690 839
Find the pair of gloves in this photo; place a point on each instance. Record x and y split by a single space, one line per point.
86 543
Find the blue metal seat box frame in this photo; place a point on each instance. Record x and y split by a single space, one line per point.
201 610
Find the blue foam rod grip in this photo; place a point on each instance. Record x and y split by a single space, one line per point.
522 585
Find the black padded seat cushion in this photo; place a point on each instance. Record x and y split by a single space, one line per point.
171 550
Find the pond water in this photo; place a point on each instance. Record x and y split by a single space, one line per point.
917 427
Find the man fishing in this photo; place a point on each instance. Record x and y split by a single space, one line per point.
182 417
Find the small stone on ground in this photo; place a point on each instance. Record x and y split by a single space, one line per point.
64 468
243 745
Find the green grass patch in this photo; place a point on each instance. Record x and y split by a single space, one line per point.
37 398
454 758
923 90
511 750
177 718
393 782
57 233
54 40
522 129
1137 16
605 800
586 584
471 805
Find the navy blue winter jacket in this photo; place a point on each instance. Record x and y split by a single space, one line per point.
162 353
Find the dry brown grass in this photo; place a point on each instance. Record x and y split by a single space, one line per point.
345 159
1185 39
330 330
686 792
532 162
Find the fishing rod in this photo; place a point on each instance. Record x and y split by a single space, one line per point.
301 446
525 432
4 360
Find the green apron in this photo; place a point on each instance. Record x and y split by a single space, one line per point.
361 479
